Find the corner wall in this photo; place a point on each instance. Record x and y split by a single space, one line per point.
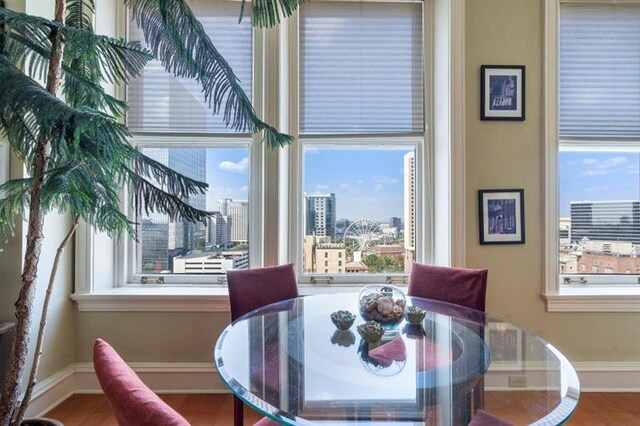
502 154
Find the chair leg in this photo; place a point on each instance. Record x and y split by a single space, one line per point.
238 406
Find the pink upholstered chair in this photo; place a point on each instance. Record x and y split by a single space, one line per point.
460 286
250 289
132 402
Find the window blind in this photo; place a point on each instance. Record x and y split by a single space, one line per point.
599 85
361 68
160 102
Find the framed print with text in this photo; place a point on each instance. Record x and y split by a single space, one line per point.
502 92
501 214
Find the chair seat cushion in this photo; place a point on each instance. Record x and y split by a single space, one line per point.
132 402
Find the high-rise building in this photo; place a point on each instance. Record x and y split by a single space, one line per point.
161 238
395 222
237 213
606 220
218 230
320 215
409 209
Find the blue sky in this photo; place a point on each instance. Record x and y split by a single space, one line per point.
368 183
227 175
597 176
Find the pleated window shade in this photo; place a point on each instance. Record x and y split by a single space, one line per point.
160 102
599 85
361 68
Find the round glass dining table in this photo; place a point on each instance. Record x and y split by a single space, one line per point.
288 361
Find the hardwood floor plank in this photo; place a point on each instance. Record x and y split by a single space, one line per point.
594 409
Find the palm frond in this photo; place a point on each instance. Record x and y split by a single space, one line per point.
180 43
78 88
167 178
267 13
119 59
48 116
151 199
13 204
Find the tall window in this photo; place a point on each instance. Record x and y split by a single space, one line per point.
172 123
361 122
599 143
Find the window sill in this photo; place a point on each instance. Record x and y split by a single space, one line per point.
594 299
176 298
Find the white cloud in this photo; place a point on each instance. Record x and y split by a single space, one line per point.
602 168
378 187
321 187
244 188
347 187
241 166
384 179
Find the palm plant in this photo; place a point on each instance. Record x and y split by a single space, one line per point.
77 151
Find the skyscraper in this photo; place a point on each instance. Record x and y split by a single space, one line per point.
160 238
606 220
237 213
320 215
395 222
218 230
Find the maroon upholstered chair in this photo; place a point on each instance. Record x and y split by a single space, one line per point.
460 286
132 402
250 289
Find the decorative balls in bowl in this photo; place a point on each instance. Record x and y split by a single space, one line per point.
343 319
384 304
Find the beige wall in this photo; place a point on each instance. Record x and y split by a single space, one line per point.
510 155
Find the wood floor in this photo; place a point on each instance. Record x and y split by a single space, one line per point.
594 409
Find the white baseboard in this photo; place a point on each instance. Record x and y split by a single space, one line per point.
51 391
203 378
608 376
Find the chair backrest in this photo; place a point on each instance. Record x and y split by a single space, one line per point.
132 402
250 289
460 286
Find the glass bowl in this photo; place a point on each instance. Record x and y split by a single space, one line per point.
384 304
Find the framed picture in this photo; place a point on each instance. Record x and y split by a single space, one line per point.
501 216
502 92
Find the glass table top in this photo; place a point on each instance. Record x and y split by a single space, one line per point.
289 361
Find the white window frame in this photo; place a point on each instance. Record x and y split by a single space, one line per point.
98 281
605 293
422 142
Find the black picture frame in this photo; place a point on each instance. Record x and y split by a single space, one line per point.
502 92
501 216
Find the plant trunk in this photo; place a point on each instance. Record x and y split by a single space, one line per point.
24 304
43 324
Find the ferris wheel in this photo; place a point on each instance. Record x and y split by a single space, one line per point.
359 236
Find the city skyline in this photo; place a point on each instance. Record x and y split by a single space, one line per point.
597 176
